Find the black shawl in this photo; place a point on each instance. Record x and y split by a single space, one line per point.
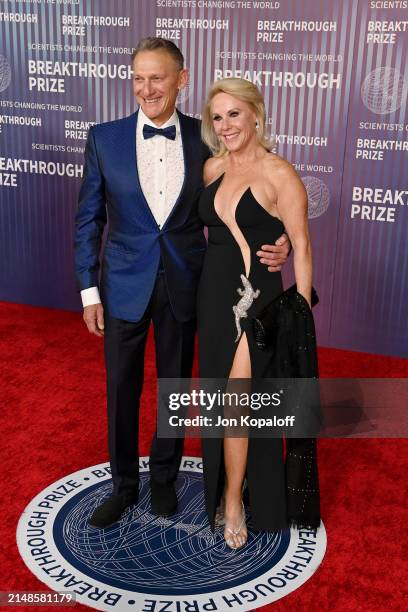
286 328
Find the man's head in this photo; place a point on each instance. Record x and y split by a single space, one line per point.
158 75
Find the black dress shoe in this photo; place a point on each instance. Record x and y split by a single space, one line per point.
111 510
163 498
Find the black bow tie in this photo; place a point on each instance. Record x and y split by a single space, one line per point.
169 132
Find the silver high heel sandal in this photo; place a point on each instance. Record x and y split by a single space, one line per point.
235 532
219 520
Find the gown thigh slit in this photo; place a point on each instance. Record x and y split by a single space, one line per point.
241 361
230 293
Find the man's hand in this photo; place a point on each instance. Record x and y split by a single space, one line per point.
93 317
275 255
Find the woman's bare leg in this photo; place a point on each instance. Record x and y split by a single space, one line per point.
235 457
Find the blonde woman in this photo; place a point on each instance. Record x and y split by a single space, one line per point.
252 195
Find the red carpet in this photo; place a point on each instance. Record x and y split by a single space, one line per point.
53 414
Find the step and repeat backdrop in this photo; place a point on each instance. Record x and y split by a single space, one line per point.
335 80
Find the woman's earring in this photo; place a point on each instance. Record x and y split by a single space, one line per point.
257 125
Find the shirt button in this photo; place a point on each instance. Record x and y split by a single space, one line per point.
161 159
161 193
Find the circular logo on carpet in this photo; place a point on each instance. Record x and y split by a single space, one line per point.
152 564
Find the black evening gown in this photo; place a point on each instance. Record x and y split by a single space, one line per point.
218 332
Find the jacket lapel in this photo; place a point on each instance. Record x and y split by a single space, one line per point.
187 142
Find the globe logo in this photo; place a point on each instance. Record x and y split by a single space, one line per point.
384 90
147 562
188 558
5 73
318 196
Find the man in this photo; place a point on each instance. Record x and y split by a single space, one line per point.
143 175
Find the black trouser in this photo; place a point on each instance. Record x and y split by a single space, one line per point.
124 359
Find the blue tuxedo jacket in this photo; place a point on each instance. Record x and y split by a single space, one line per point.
111 193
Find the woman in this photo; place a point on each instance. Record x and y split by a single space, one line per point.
251 196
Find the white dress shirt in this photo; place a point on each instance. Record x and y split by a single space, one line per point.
160 165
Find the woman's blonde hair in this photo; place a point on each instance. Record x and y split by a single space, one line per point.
246 92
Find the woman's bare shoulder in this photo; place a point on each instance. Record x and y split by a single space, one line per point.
279 170
213 167
277 164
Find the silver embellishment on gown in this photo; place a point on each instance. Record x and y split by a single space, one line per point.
248 295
